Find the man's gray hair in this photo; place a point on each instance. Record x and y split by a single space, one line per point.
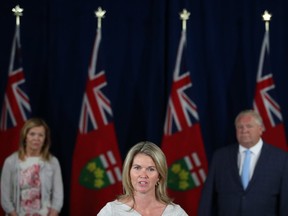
252 113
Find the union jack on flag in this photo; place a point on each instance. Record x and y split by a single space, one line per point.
95 104
180 107
264 102
16 107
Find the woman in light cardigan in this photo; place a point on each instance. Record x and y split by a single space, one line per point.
31 180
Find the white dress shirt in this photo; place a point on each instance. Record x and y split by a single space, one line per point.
255 153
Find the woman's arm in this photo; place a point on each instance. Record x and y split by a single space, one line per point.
57 190
7 186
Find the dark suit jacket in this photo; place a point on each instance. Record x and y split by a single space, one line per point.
267 191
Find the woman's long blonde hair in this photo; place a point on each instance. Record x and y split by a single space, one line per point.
31 123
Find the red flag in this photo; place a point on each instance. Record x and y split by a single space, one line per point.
182 141
16 106
264 101
96 173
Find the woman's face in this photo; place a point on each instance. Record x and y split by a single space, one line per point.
144 175
35 140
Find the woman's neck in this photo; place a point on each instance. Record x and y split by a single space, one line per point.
145 199
32 154
148 205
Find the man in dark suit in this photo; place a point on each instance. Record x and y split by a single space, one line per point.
266 194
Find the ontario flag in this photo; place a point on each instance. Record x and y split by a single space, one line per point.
97 165
182 141
15 107
265 102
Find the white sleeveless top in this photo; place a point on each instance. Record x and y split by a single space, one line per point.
120 209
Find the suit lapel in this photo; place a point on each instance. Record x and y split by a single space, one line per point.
234 164
264 154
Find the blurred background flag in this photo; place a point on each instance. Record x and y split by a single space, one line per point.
15 107
265 102
96 168
182 141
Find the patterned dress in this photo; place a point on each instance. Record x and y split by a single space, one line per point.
30 188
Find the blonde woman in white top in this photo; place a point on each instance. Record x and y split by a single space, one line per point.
144 180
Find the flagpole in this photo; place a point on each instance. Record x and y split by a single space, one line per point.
184 16
266 17
17 12
99 14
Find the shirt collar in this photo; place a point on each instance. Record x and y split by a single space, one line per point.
255 149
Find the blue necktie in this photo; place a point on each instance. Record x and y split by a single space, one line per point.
246 169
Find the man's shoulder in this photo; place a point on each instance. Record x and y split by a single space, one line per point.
228 148
274 150
225 153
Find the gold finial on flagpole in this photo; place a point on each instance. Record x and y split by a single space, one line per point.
99 14
266 17
17 12
184 16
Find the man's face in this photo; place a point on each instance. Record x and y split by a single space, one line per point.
248 132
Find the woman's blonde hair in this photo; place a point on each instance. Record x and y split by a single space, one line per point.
153 151
31 123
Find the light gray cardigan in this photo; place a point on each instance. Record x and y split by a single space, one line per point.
51 184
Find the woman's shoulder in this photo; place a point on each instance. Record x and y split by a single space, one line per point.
53 160
12 158
174 209
115 206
